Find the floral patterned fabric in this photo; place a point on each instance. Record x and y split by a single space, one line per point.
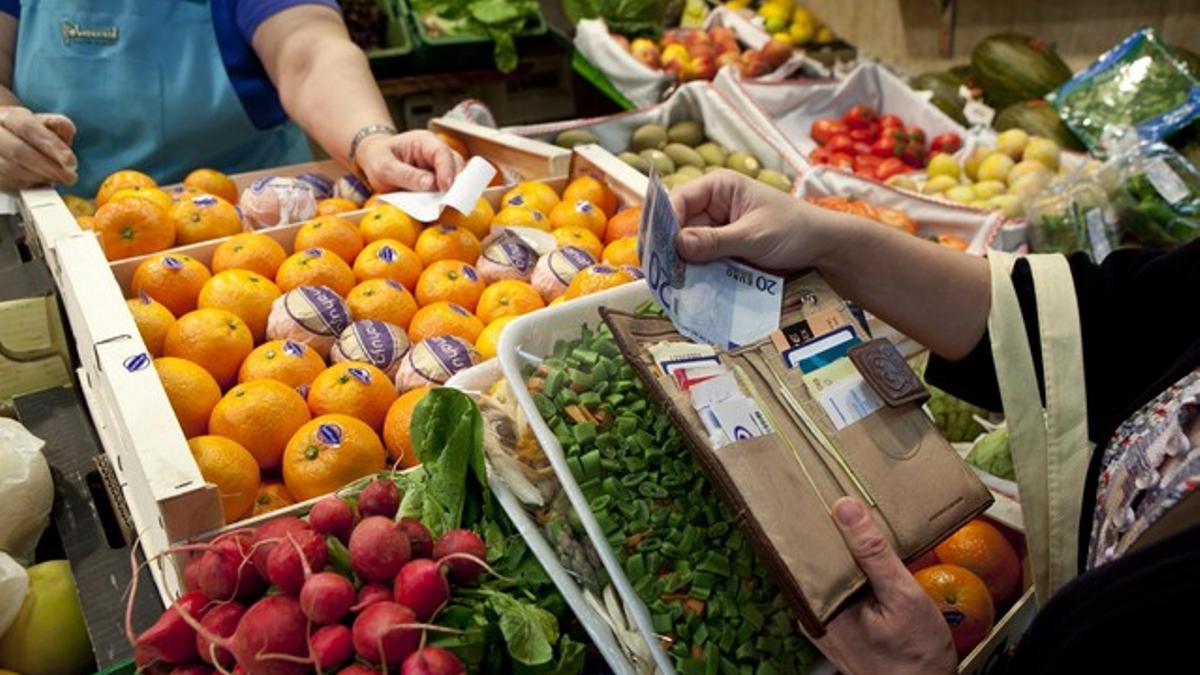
1151 463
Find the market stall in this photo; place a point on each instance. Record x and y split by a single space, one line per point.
280 421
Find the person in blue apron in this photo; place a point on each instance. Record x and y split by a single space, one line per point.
1132 578
88 87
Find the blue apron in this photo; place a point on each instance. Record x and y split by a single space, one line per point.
146 87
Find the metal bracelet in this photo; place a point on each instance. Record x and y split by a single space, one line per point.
369 130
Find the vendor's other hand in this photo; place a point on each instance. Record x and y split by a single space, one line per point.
416 161
725 214
897 629
35 149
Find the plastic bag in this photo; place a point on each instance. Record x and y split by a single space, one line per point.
1071 215
14 584
1138 84
26 490
1155 192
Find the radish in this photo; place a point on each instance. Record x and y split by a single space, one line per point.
285 566
326 597
221 620
225 571
358 669
191 669
171 639
383 633
379 498
191 574
463 552
271 638
419 538
422 587
331 645
378 549
371 593
268 535
432 661
332 516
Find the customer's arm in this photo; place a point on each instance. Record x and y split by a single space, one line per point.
34 149
326 86
935 295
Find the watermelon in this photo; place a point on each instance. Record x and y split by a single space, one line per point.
944 87
1039 119
1012 68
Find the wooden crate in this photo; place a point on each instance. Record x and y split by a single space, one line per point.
167 498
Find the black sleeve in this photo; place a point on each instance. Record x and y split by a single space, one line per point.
1139 323
1129 616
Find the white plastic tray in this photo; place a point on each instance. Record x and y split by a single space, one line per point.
524 342
480 378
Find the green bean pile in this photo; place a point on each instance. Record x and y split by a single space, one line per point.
709 597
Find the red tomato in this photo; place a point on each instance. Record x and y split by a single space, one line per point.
949 143
887 146
861 147
859 116
867 163
891 122
867 134
914 156
916 136
819 156
841 160
824 129
890 167
840 143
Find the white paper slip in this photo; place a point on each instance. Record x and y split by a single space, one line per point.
462 196
720 388
716 437
665 351
741 418
848 401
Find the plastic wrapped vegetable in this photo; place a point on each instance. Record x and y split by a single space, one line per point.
954 417
1138 84
1074 215
1156 192
993 454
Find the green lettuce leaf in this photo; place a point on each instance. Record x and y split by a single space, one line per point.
447 435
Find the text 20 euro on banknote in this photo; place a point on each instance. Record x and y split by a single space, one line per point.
723 302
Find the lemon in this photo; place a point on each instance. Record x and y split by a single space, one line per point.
1042 150
942 164
985 189
962 194
971 166
1009 205
1012 142
1029 184
939 184
995 167
1025 168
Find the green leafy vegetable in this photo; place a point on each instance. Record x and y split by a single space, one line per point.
447 435
993 454
528 629
628 17
500 20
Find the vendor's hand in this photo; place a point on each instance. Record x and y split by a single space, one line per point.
35 149
414 160
725 214
898 630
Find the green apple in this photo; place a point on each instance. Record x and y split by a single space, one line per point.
971 166
48 637
995 167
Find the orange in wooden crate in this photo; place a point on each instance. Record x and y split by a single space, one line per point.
215 339
261 415
580 237
291 363
444 318
249 251
532 194
596 278
155 195
204 217
511 297
153 321
388 259
331 233
384 300
445 242
621 252
396 424
119 180
352 388
133 227
191 390
983 549
315 267
592 190
173 279
272 496
963 600
624 224
450 281
247 294
478 222
214 183
521 216
329 452
489 339
226 464
384 221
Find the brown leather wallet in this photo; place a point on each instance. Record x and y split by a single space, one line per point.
781 485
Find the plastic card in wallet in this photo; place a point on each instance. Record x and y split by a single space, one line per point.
782 478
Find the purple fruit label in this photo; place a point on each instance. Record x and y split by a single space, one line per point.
509 250
320 184
446 229
293 348
136 362
387 254
584 206
172 263
204 200
143 297
450 354
459 310
566 262
360 374
352 187
577 256
517 200
313 252
394 284
303 390
330 434
469 273
379 342
261 184
603 269
633 271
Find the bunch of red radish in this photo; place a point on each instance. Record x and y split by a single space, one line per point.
316 620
